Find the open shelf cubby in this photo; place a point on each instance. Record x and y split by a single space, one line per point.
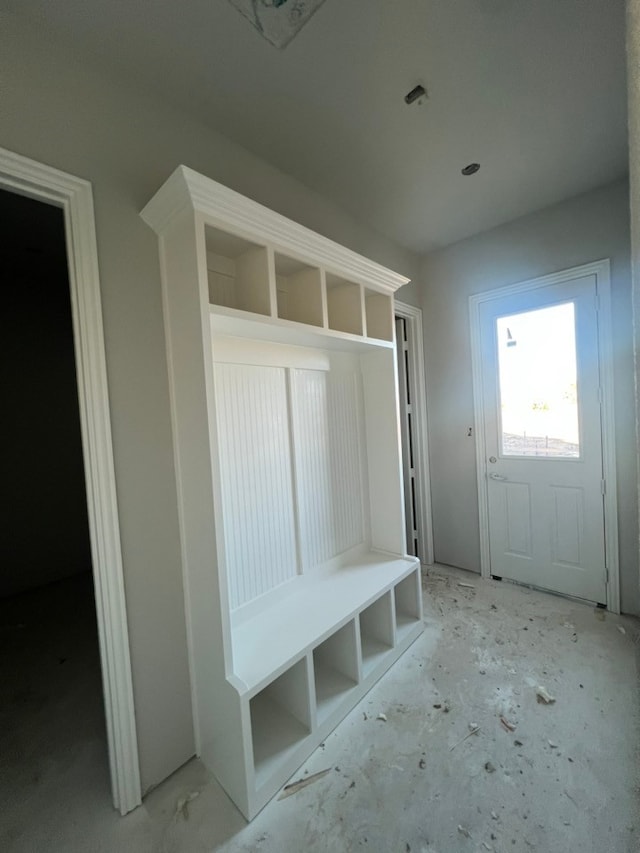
335 666
237 272
379 315
376 632
406 595
298 290
280 719
344 305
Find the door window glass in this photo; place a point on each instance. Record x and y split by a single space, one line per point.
538 383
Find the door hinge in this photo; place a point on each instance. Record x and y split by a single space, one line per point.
603 487
606 575
596 299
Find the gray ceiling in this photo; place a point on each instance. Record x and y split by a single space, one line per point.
534 90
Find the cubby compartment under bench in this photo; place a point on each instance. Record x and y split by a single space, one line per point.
299 593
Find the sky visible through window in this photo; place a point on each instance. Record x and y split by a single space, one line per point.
538 383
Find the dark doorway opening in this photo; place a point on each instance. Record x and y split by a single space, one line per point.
52 729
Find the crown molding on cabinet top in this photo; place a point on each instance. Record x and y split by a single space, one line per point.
224 208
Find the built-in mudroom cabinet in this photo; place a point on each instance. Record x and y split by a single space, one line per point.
299 593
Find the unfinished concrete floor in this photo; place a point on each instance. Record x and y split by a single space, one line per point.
565 779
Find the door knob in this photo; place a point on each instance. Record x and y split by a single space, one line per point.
497 477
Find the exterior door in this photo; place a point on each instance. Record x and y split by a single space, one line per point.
543 439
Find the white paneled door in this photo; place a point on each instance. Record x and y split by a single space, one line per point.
543 439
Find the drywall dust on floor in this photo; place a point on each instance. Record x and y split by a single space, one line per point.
456 749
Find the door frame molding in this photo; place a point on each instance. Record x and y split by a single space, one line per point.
74 196
413 316
601 270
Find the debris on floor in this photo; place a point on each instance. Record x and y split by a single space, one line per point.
543 696
294 787
464 831
567 794
621 629
473 730
509 727
580 795
466 585
489 767
382 718
182 805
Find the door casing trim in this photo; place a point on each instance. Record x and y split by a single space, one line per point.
601 270
74 196
413 316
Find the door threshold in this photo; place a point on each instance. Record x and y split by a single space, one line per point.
597 604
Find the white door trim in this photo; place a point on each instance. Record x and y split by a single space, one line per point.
74 196
413 316
601 270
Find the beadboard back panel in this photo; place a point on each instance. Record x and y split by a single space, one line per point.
327 463
255 417
345 442
309 416
256 479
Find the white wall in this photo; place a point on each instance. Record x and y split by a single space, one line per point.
587 228
633 76
58 109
